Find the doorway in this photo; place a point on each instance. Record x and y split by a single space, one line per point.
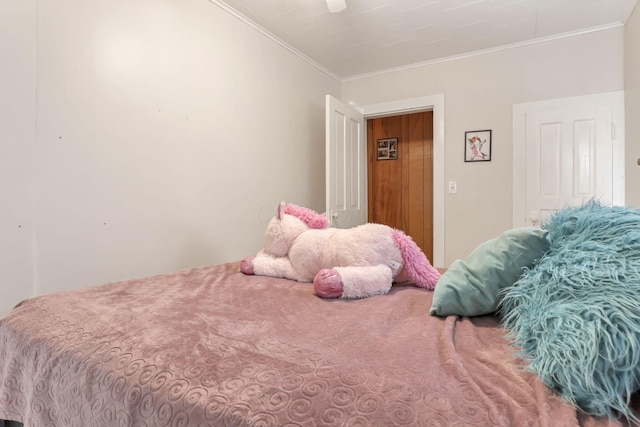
433 103
400 175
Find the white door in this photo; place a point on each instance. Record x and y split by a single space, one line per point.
571 155
346 165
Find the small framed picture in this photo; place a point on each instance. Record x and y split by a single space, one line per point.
477 146
387 149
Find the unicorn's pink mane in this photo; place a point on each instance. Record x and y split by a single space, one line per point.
308 216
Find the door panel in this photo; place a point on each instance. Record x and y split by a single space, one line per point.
385 176
401 191
569 159
567 151
418 193
346 165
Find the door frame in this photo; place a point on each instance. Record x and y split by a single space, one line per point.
615 100
433 103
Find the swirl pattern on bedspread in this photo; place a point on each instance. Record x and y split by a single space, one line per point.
212 347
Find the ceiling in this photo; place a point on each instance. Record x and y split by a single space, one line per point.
371 36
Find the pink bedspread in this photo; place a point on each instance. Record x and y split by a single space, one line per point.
212 347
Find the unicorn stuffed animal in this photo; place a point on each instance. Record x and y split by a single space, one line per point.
348 263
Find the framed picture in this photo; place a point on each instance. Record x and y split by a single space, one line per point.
477 146
388 149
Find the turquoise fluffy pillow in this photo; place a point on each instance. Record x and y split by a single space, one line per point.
472 287
575 316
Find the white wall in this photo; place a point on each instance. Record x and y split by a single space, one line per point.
632 106
164 134
17 145
479 94
140 137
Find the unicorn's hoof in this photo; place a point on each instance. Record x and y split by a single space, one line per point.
246 265
328 284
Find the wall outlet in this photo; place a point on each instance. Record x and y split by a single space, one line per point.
453 187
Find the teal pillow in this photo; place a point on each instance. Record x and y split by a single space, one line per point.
472 287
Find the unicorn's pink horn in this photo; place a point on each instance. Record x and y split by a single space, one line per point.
280 212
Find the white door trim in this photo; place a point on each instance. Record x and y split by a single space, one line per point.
413 105
614 99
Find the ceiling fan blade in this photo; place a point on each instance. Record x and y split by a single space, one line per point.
336 6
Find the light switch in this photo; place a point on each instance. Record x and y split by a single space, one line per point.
452 187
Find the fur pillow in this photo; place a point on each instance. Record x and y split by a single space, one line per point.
575 315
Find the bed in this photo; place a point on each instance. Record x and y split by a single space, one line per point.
210 346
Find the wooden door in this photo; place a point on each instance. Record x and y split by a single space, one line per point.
400 178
